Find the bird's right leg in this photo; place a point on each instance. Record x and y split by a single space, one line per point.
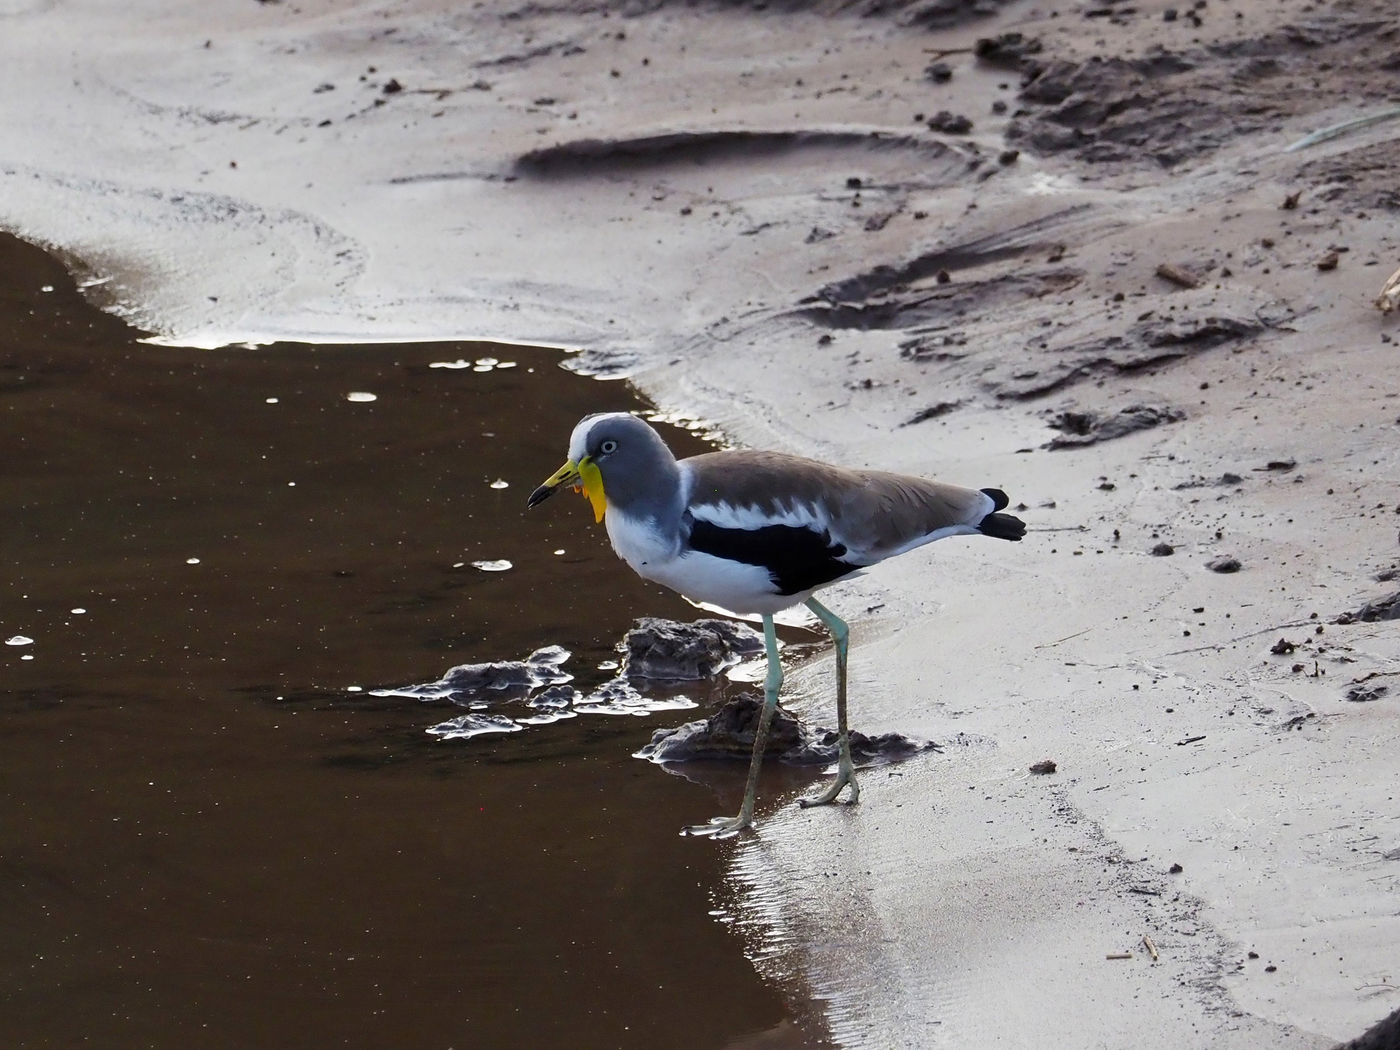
724 827
845 769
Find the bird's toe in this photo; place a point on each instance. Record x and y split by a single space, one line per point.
718 827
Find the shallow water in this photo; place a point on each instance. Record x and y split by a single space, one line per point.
210 839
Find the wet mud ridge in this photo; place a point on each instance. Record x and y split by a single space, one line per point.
729 734
590 158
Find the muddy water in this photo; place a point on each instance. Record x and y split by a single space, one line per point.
208 840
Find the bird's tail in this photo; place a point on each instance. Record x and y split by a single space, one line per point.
1001 526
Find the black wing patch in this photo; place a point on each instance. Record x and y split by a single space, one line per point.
796 557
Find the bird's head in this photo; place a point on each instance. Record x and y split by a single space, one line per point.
613 457
595 441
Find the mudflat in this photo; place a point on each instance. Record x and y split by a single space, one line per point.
1125 261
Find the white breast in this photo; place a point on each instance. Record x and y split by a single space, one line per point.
639 544
700 577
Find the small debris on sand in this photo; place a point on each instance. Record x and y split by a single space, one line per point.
1224 563
1044 767
1389 299
1162 550
1178 275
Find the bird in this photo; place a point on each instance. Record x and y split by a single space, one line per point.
757 532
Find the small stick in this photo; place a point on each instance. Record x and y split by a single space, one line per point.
1057 641
1150 946
1119 955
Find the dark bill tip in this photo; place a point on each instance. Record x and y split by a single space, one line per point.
539 496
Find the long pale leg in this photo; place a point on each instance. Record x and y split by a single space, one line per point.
724 827
845 771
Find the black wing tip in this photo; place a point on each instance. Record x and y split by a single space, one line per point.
1002 526
1000 499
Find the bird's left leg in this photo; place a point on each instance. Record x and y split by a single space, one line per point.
725 827
845 771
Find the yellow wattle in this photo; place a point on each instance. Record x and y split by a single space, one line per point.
593 487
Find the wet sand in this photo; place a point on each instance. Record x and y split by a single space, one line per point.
209 841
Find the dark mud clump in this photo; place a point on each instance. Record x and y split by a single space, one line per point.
1365 694
667 650
934 411
729 733
1374 611
1224 564
949 123
1084 428
1014 51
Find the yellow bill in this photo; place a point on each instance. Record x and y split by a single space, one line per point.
582 475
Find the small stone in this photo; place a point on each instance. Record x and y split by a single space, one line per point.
1163 550
950 123
1044 767
1224 563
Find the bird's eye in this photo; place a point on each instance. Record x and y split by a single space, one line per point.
608 447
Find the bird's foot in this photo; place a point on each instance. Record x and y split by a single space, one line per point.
844 778
720 827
